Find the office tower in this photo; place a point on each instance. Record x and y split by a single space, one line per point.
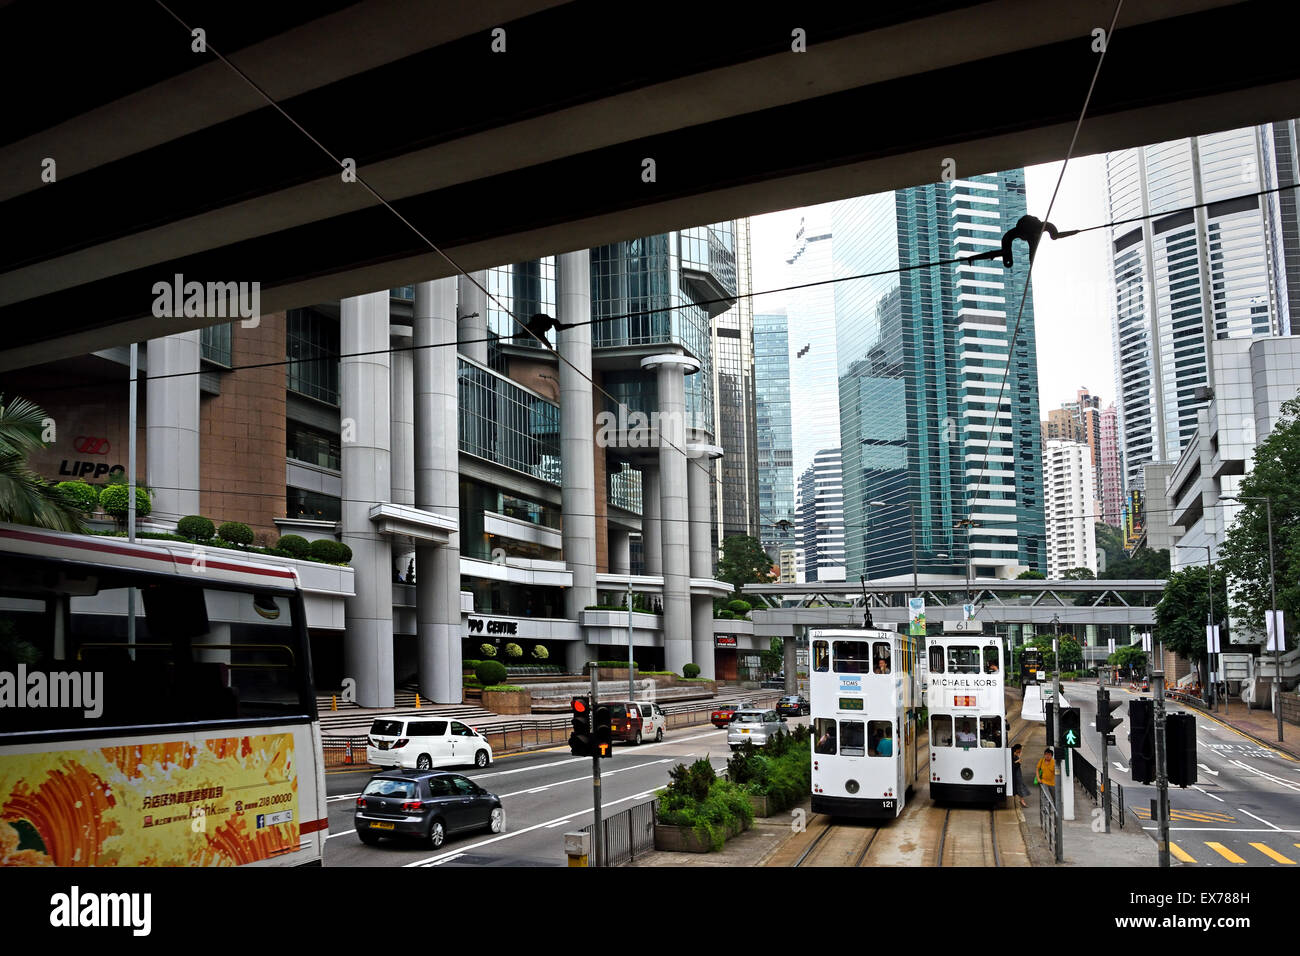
811 330
821 517
775 450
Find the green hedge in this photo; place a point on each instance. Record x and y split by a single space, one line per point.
690 671
115 498
330 551
295 544
196 528
490 672
79 495
503 687
781 771
696 798
236 532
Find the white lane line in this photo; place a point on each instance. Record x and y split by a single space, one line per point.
344 833
1221 830
540 766
603 774
1260 819
343 796
1268 776
448 859
1207 793
552 826
1212 773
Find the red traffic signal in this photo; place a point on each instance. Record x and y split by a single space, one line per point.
579 705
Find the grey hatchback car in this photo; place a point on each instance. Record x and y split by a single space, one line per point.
426 805
754 726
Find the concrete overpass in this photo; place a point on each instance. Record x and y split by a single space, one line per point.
167 161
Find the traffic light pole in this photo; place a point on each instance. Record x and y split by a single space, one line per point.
1057 796
597 842
1162 772
1103 717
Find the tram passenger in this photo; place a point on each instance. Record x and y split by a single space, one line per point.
885 746
826 738
966 736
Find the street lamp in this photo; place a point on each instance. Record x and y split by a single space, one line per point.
911 523
1272 587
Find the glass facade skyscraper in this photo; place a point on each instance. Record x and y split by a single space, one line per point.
921 358
775 447
811 327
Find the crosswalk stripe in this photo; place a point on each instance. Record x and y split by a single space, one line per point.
1179 852
1224 852
1273 854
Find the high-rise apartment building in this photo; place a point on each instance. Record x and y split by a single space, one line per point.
929 453
821 517
1111 505
775 448
811 327
1187 277
1083 420
1068 478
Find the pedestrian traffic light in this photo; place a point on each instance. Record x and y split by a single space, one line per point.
1106 724
1070 726
602 733
1142 740
580 744
1180 749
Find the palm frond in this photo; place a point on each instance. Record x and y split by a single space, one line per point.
21 425
25 498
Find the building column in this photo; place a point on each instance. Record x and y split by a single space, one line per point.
403 412
652 552
699 470
471 316
577 439
790 657
620 551
364 397
438 625
172 423
673 506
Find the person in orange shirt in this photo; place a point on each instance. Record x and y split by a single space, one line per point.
1045 773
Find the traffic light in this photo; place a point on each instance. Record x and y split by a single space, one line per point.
1142 739
1180 749
1106 724
602 733
580 740
1070 726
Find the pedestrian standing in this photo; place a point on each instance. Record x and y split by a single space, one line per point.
1045 773
1017 777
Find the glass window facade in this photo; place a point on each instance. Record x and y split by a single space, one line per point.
773 432
311 504
215 345
312 342
313 446
507 424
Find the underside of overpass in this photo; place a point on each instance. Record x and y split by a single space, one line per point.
508 129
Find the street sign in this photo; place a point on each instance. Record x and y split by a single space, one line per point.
963 627
1212 638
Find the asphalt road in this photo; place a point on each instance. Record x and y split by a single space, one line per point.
544 793
1244 809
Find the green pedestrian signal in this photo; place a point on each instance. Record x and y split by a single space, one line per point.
1069 739
1070 726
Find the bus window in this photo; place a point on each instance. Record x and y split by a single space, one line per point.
965 731
880 735
880 658
990 731
821 656
990 660
936 660
852 738
852 657
963 660
824 731
941 730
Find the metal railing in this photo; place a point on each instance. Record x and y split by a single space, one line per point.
626 834
1087 776
1047 817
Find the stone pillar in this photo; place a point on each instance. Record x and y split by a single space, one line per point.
699 470
577 441
364 398
403 411
652 549
471 329
438 625
172 422
673 506
620 551
790 652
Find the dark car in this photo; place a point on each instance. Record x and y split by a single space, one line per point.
793 704
426 805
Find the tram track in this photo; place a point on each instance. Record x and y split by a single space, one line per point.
841 845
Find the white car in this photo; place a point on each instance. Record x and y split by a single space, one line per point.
754 726
418 743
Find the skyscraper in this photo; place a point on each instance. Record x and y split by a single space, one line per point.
775 448
1184 279
811 327
922 354
1111 505
1068 478
821 517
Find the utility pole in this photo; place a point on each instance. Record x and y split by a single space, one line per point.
596 830
631 692
1162 772
1058 744
1272 614
130 490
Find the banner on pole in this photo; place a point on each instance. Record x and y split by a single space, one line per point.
1212 638
916 616
1276 627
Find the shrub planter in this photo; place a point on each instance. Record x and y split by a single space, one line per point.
764 806
686 840
507 701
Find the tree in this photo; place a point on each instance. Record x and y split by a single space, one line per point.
25 497
1183 611
1129 657
1071 652
774 657
1031 575
744 562
1110 542
1244 556
1144 565
1078 574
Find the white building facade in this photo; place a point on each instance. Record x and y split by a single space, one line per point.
1068 487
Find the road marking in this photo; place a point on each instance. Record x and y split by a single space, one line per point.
448 859
1194 816
1208 794
1179 852
344 833
1278 780
552 826
343 796
1239 733
1222 830
1224 852
1260 819
603 774
1269 852
1212 773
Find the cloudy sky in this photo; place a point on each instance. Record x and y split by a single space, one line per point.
1070 280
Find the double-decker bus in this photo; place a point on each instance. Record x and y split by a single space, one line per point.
186 737
865 704
970 756
1031 665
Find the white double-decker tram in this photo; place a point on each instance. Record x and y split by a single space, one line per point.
970 756
865 710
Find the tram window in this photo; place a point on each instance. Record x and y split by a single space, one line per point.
852 657
990 731
824 731
963 660
880 658
936 660
990 660
966 732
853 738
821 656
880 736
941 730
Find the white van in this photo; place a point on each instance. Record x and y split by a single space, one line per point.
418 743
